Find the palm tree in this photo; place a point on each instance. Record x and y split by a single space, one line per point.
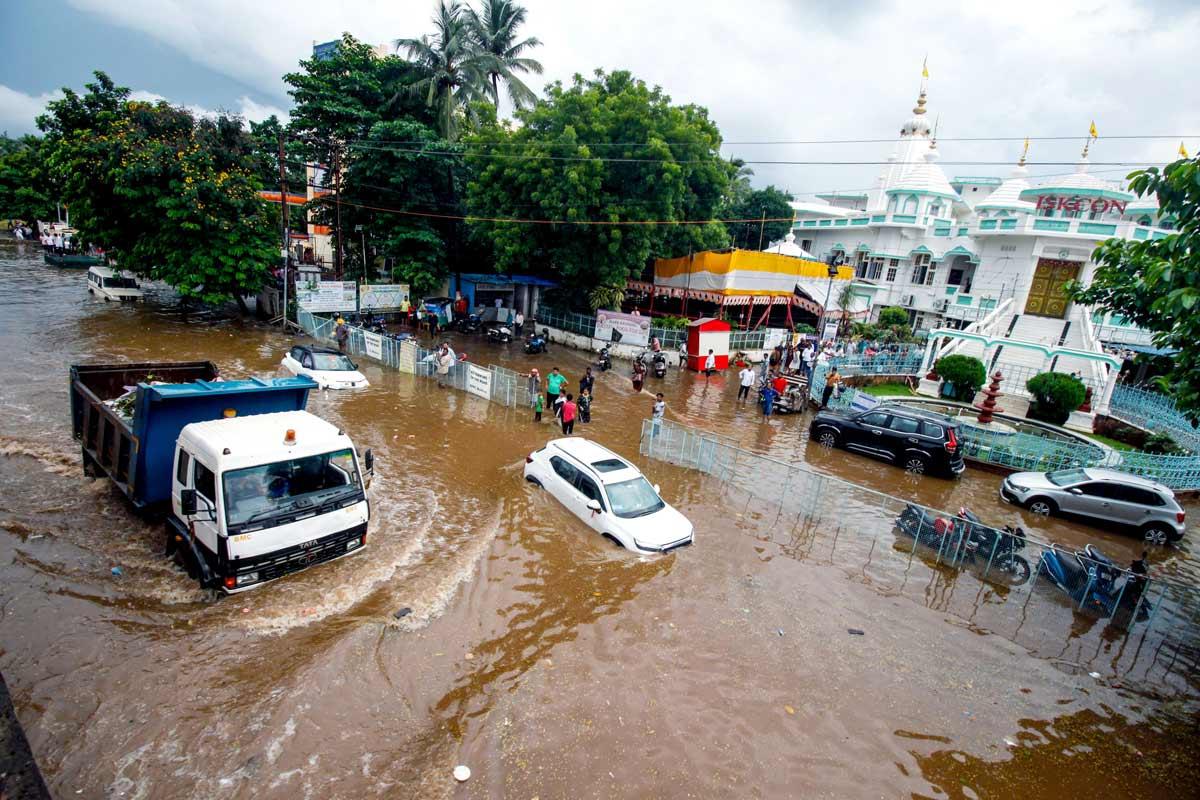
455 69
495 33
739 185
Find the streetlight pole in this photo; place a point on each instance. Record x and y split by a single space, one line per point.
832 271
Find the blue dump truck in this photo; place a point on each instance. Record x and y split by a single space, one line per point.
252 486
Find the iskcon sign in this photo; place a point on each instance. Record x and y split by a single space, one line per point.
1097 205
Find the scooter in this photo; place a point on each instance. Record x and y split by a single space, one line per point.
499 333
536 343
468 324
966 538
604 362
660 365
1087 576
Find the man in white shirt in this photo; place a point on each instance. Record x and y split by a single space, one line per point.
710 365
746 377
809 356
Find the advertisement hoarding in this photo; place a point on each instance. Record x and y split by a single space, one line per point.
321 296
383 296
613 326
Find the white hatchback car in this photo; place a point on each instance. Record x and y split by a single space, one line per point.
609 494
328 367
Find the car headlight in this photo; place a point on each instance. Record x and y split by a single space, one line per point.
247 578
641 546
353 543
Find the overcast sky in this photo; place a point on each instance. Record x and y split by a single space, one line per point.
765 69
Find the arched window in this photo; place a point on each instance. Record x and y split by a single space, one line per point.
1144 221
892 205
1001 213
935 209
910 204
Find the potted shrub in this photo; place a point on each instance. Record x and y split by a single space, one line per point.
1055 396
963 375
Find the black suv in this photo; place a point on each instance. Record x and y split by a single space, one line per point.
919 441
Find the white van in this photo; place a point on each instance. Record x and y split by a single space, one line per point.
112 285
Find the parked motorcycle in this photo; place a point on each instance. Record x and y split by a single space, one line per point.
499 333
604 362
1091 579
536 343
468 324
659 365
966 539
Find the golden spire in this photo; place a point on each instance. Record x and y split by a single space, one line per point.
920 107
1024 153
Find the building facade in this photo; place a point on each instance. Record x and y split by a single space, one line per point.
952 250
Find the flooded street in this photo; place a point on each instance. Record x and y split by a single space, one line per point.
550 663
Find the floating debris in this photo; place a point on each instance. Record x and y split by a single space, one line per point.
462 773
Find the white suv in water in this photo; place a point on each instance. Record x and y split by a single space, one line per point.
609 494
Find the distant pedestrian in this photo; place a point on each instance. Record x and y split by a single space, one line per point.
746 379
779 384
833 381
585 406
710 365
534 385
554 383
518 324
809 357
537 407
499 303
433 323
639 374
559 402
588 382
569 410
660 410
444 362
768 399
341 333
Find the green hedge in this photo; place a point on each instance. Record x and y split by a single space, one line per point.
1055 396
965 373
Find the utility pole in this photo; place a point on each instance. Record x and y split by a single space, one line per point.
761 225
337 201
287 250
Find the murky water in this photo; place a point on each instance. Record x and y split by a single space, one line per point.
550 663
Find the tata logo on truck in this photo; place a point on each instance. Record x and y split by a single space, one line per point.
1099 205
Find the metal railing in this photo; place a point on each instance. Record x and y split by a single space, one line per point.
1154 411
901 550
503 385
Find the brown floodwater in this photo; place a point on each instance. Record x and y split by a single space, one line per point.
550 663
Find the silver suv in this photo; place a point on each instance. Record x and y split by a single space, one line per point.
1111 498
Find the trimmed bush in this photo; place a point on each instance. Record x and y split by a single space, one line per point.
1055 396
892 316
1163 445
964 373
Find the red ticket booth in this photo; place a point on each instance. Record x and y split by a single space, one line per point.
707 334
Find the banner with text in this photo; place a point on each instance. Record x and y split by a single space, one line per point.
613 326
479 381
383 296
407 362
326 296
373 344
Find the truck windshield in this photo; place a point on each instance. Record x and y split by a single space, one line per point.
259 493
332 361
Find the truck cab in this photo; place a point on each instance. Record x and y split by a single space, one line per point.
268 494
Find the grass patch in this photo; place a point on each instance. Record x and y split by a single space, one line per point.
1113 443
887 390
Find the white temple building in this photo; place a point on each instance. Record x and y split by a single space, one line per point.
984 256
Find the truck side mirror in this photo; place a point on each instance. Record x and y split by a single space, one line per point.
187 502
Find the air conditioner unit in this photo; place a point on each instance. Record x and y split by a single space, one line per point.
941 305
909 300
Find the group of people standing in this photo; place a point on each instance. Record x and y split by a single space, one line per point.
567 407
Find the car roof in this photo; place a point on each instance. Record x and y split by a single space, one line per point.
312 348
911 411
588 453
103 272
1101 474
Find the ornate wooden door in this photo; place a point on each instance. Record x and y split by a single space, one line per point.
1047 291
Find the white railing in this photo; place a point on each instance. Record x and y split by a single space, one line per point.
984 327
1090 342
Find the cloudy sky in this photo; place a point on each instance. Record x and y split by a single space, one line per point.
767 70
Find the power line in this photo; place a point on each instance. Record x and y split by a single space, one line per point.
810 163
778 142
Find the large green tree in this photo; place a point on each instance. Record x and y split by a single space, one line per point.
771 204
27 191
1156 283
453 70
494 29
171 197
610 169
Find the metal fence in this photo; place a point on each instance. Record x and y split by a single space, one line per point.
497 384
1154 411
1034 591
584 325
